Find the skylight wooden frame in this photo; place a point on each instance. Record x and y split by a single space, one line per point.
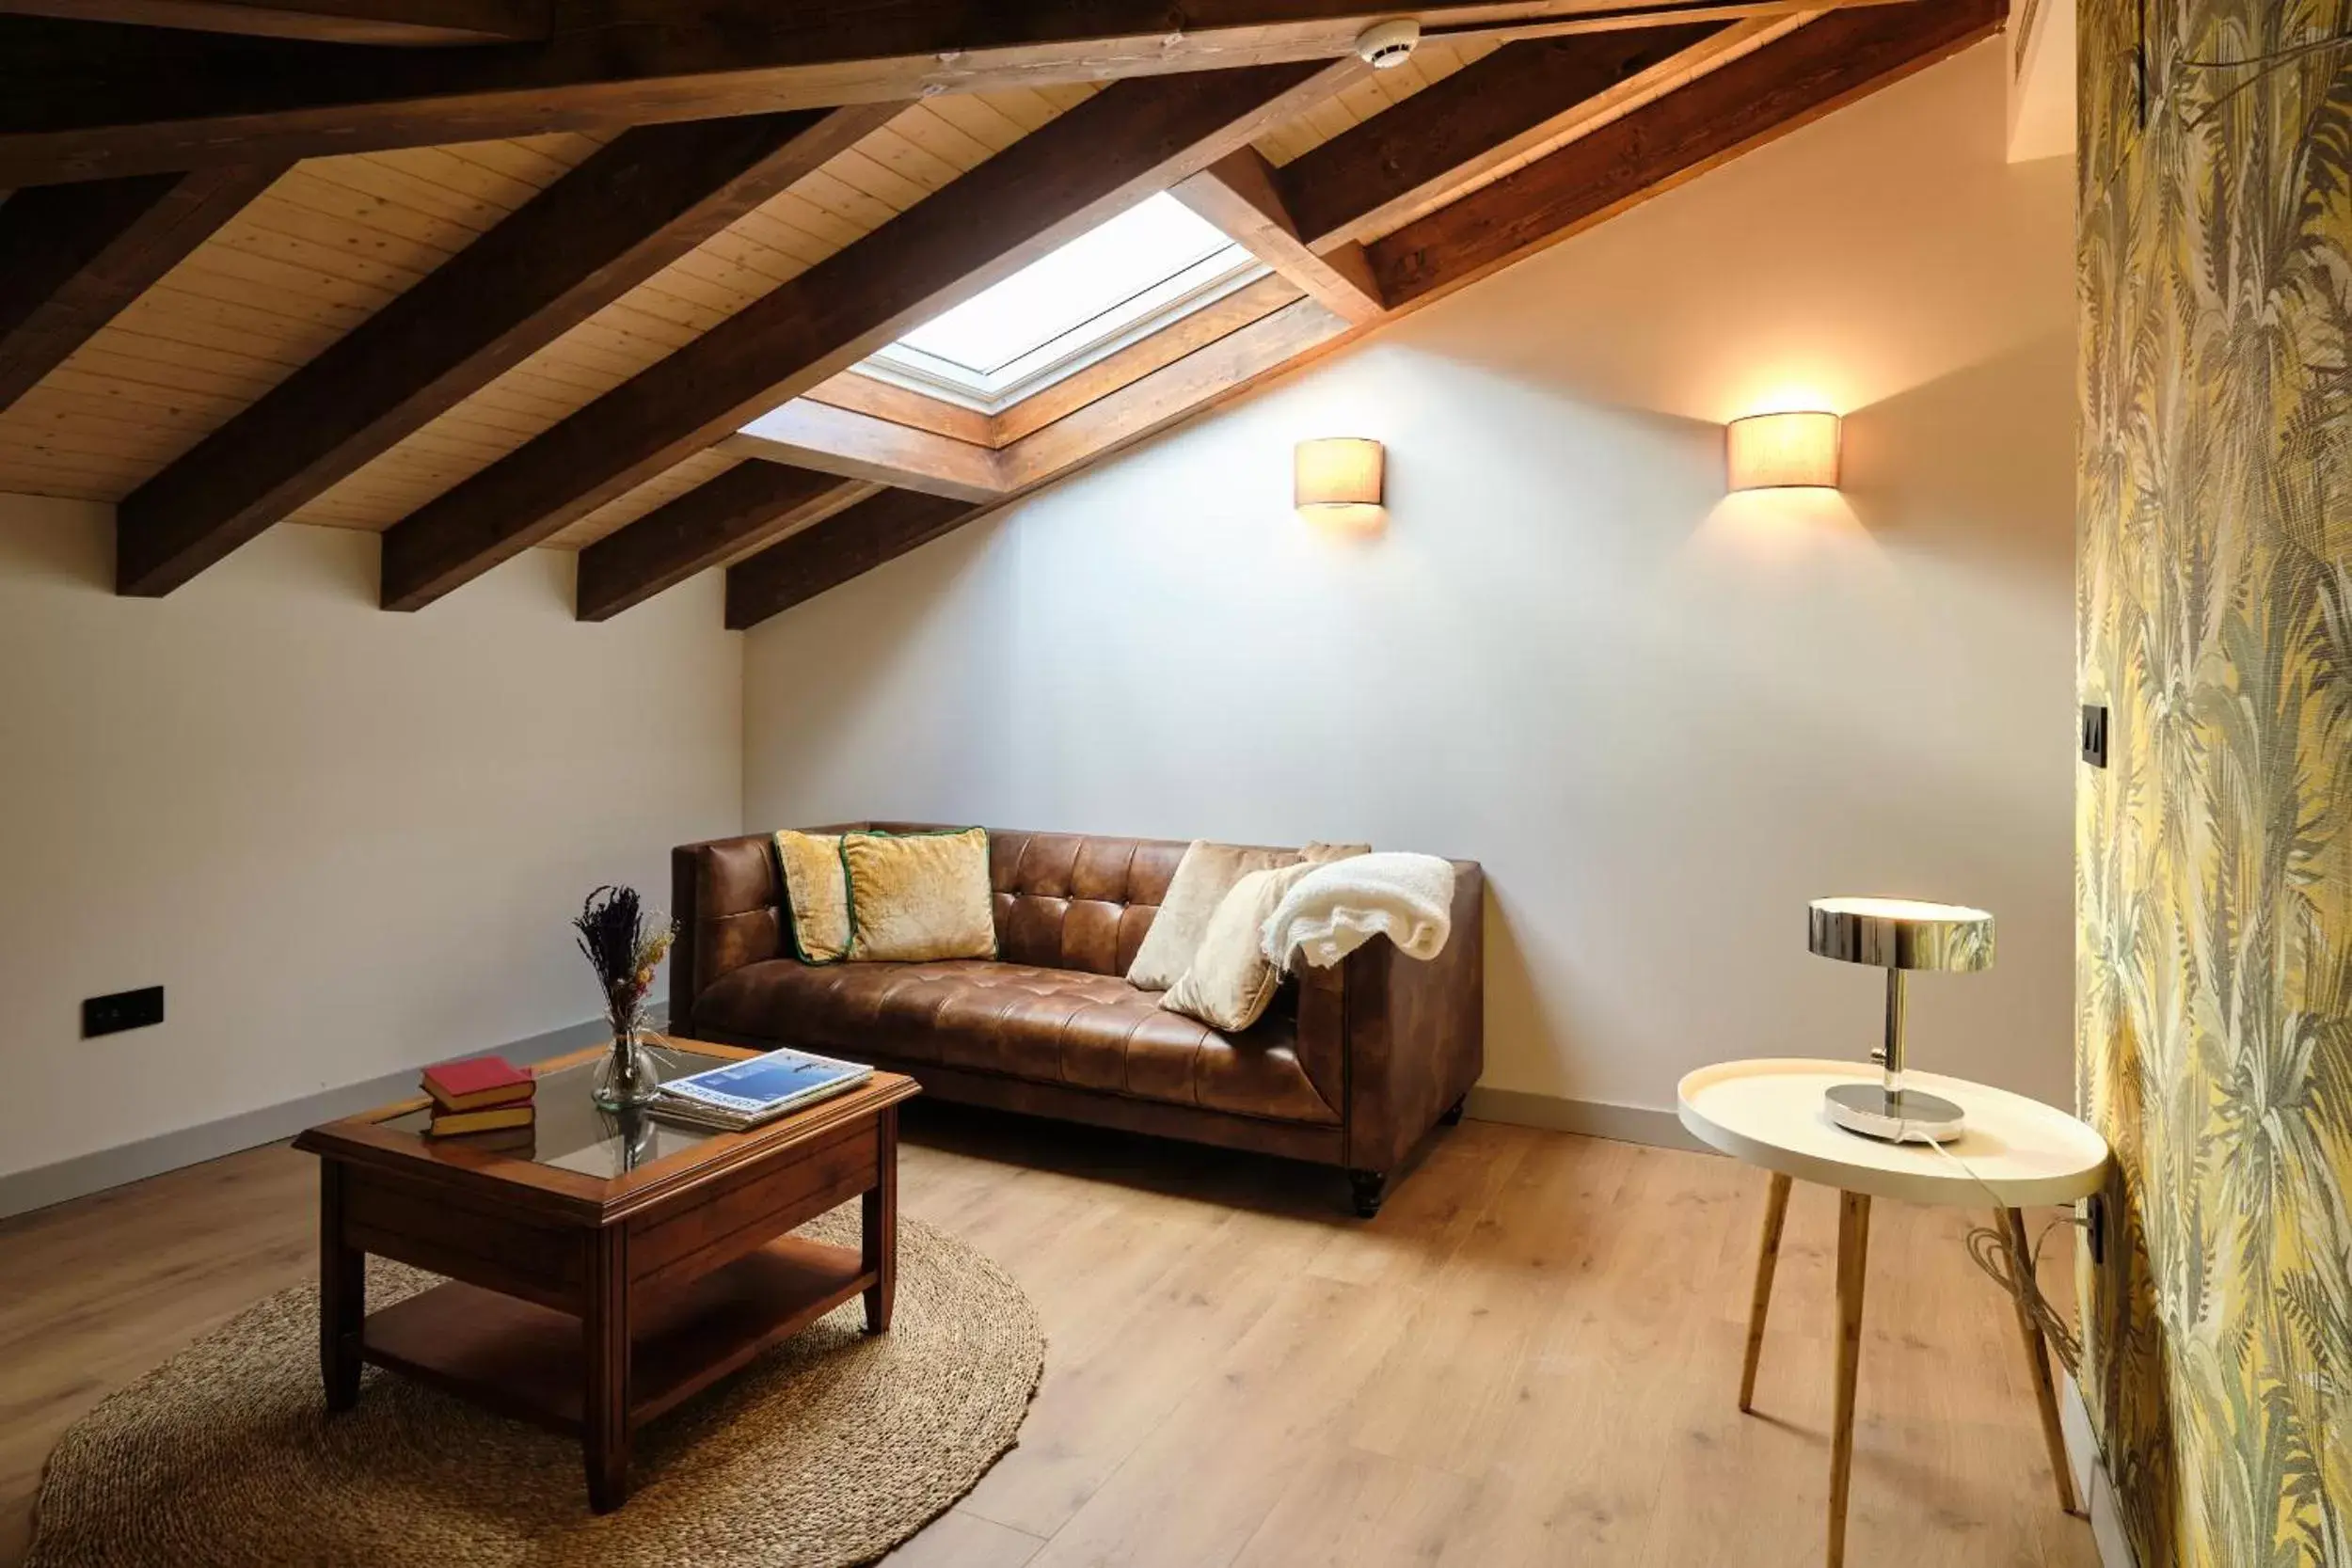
1198 284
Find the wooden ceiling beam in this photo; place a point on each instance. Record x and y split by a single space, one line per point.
1490 111
1127 141
716 520
631 209
857 445
847 545
87 100
1741 105
72 256
396 22
1238 193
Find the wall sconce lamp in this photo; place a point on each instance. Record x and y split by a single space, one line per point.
1774 451
1337 475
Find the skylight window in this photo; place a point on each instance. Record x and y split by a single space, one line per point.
1132 276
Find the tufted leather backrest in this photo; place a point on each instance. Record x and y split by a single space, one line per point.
1072 900
1061 900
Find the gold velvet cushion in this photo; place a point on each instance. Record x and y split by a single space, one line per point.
1203 877
815 896
917 897
1230 982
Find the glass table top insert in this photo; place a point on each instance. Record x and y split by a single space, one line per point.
570 1132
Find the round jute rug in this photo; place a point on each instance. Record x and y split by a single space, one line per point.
826 1452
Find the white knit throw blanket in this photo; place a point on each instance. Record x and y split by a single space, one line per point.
1336 909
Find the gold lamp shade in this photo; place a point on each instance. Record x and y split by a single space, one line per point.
1897 935
1901 933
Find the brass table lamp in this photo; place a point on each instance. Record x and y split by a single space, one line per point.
1898 935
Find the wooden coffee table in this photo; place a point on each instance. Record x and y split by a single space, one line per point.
612 1268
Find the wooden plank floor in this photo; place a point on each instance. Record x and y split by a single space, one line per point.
1531 1358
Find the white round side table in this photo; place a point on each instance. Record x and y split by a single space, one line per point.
2014 1152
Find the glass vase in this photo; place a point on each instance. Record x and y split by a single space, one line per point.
628 1077
634 1137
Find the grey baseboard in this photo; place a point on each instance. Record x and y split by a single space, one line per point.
1593 1119
43 1185
2092 1483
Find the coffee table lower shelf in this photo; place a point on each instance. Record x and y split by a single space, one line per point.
528 1362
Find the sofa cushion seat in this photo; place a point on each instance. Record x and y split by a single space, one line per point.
1050 1026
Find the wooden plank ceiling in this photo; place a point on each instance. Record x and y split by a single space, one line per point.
636 342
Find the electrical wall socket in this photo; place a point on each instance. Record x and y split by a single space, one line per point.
124 1009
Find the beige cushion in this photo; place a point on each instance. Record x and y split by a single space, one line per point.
916 897
1319 853
815 895
1230 982
1203 877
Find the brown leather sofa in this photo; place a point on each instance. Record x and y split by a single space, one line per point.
1350 1067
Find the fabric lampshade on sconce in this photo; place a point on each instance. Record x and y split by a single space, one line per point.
1898 935
1337 471
1774 452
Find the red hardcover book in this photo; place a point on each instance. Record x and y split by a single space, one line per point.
477 1083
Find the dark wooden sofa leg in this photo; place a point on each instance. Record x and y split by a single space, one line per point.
1369 1187
1451 1115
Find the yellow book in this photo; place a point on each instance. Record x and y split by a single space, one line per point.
479 1121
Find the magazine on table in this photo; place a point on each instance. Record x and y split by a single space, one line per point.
757 1089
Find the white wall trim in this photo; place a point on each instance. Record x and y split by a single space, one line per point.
1593 1119
2092 1483
26 1190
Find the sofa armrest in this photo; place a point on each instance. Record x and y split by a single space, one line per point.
1415 1032
724 893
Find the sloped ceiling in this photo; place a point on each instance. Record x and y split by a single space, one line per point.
282 276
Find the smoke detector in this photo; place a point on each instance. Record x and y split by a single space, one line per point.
1388 44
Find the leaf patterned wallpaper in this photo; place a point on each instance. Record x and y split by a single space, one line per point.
2213 857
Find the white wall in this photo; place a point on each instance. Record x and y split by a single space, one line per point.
1662 718
346 841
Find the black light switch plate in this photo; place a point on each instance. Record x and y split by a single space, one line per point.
124 1009
2095 734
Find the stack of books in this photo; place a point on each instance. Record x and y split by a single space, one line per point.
755 1091
484 1100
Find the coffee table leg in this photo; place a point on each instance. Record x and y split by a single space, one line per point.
1853 1257
1766 1261
342 1293
605 1352
879 1212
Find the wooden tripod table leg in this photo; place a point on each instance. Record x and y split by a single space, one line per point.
1853 1255
2011 1224
1767 1260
